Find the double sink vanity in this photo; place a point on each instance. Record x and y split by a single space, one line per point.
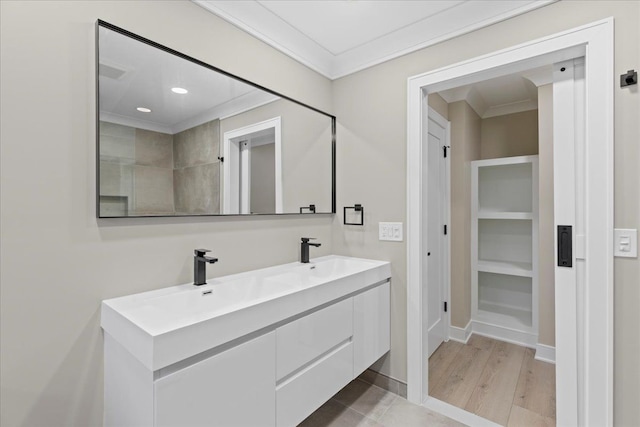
260 348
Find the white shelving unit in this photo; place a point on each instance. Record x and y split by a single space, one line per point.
504 248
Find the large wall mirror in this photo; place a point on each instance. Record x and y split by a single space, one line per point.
178 137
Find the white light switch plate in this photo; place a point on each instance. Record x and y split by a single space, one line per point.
625 242
391 231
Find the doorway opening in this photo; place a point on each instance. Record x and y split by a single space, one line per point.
252 169
497 358
583 165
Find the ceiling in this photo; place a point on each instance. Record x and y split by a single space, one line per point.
508 94
340 37
134 74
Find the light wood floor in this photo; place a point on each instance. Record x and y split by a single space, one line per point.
495 380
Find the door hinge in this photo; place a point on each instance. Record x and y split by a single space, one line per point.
444 148
445 306
445 229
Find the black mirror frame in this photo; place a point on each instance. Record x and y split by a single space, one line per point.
104 24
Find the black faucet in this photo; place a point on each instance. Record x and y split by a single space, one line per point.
200 266
304 248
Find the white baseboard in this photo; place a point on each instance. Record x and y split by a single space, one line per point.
457 414
460 334
545 353
503 333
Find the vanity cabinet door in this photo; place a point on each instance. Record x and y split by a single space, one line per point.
310 337
371 327
233 388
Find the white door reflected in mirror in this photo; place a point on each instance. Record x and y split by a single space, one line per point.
252 170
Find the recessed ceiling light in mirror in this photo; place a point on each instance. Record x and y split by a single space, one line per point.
179 90
143 110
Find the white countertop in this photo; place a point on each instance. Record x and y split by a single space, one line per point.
168 325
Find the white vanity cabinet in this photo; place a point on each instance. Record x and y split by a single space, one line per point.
371 327
320 353
314 360
307 339
266 364
231 388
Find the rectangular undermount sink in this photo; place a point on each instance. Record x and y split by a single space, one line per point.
168 325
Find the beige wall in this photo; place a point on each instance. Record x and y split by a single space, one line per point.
439 105
58 262
465 146
509 135
263 178
371 110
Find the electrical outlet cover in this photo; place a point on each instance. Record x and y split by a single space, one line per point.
625 242
390 231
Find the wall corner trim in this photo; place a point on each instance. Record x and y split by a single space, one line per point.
460 334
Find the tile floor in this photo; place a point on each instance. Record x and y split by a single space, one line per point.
365 405
495 380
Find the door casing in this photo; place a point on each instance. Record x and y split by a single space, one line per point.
231 153
595 42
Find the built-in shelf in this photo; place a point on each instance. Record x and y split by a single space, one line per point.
490 312
505 185
506 267
507 240
504 215
504 241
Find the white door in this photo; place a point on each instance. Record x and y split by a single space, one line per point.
237 165
569 208
436 250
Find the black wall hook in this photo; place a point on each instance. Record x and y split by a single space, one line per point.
629 79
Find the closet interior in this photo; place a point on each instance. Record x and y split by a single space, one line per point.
498 361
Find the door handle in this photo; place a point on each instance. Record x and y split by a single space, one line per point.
565 246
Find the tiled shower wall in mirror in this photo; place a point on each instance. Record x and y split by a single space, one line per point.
145 172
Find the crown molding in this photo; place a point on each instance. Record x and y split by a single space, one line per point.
255 19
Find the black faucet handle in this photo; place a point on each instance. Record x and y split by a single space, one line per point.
306 239
201 252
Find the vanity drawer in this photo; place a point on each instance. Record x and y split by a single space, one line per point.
297 397
233 388
308 338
